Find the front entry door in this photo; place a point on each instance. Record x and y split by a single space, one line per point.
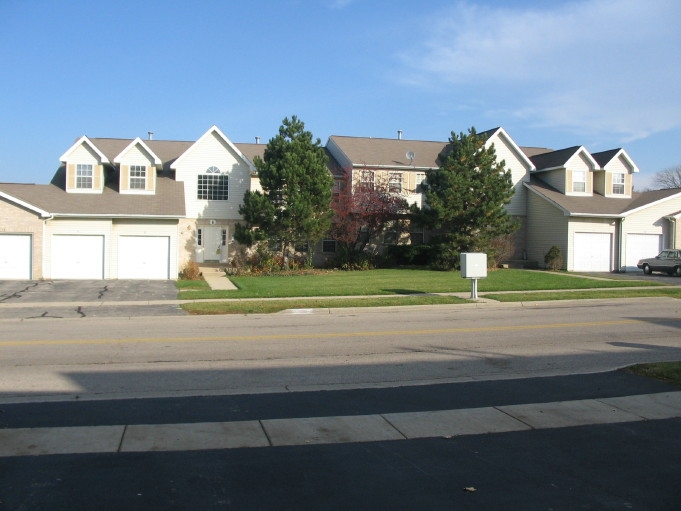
212 243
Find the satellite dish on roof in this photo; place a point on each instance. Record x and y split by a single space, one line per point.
411 157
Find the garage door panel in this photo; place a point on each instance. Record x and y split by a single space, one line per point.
77 257
641 246
143 257
592 251
15 256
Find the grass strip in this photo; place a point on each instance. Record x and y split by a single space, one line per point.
585 294
271 306
666 371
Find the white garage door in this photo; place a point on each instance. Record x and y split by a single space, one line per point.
15 256
77 257
143 257
592 251
640 246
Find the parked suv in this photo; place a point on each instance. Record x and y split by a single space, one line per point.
669 261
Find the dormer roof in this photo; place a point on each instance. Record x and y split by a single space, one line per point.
84 140
560 159
607 159
138 142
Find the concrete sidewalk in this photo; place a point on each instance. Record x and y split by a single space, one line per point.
337 429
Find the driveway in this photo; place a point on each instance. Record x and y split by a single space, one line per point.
660 278
29 299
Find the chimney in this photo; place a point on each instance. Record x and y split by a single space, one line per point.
257 140
399 134
151 135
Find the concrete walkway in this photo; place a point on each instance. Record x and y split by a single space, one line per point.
338 429
216 278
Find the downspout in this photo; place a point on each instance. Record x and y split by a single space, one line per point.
672 221
620 243
42 257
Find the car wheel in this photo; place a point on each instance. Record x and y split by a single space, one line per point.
677 271
646 269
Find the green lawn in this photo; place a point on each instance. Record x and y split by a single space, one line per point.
667 371
395 282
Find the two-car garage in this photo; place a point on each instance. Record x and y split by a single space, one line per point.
84 257
111 250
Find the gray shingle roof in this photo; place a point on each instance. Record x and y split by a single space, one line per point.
598 205
553 159
604 157
168 201
387 152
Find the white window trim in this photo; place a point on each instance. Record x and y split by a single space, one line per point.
137 179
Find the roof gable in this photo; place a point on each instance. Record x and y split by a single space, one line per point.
84 140
139 143
501 135
563 158
615 158
213 131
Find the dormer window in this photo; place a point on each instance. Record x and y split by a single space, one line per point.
618 184
84 176
579 181
138 177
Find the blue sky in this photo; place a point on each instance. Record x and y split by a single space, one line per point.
598 73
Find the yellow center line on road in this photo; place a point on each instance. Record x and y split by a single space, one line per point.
376 333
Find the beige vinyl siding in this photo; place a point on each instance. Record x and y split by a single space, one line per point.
167 228
76 227
519 174
554 178
546 226
591 225
599 180
16 220
213 152
652 220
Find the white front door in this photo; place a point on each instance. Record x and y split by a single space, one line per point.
212 243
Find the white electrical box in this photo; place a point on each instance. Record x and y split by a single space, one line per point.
473 265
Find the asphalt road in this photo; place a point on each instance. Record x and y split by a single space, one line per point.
338 348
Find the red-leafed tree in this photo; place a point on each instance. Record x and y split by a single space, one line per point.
366 204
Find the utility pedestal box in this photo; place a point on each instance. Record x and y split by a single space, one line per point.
474 267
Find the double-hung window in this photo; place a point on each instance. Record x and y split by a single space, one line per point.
138 177
84 175
618 184
212 185
395 182
579 181
366 180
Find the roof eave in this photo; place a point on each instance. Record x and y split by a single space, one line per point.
41 212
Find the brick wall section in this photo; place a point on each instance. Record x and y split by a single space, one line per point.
15 219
